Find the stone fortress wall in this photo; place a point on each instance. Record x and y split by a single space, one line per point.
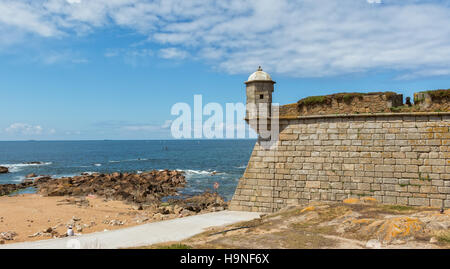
351 145
396 158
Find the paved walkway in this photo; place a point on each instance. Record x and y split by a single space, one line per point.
142 235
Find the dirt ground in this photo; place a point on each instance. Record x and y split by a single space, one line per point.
353 224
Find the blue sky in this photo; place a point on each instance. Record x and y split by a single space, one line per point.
98 69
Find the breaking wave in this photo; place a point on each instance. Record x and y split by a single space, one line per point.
16 167
190 172
129 160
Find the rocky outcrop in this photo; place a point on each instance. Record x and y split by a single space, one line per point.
8 235
6 189
145 187
206 201
145 191
3 170
355 223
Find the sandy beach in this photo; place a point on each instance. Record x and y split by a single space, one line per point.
31 215
97 202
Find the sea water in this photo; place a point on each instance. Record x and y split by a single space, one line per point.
203 161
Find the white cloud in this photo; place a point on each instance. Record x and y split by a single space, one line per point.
66 56
172 53
142 127
303 38
167 124
23 16
24 129
131 56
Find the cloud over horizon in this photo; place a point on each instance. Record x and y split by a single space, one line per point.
25 129
309 38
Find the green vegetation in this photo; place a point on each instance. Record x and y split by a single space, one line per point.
345 97
443 237
397 108
165 246
176 246
435 95
418 100
439 94
349 96
396 208
312 100
427 178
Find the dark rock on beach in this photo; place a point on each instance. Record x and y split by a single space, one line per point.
207 201
33 163
145 187
3 170
142 190
6 189
8 235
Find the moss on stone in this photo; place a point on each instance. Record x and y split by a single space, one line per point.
439 94
313 100
346 97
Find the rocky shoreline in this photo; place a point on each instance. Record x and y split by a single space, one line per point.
146 197
139 189
4 170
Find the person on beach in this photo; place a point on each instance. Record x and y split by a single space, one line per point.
70 231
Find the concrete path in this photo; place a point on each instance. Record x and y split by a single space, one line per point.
142 235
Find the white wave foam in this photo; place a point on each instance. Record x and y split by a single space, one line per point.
130 160
67 175
190 172
16 167
97 164
241 167
18 179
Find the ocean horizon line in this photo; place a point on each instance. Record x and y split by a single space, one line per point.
106 140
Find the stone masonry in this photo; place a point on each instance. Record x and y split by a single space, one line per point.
397 158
